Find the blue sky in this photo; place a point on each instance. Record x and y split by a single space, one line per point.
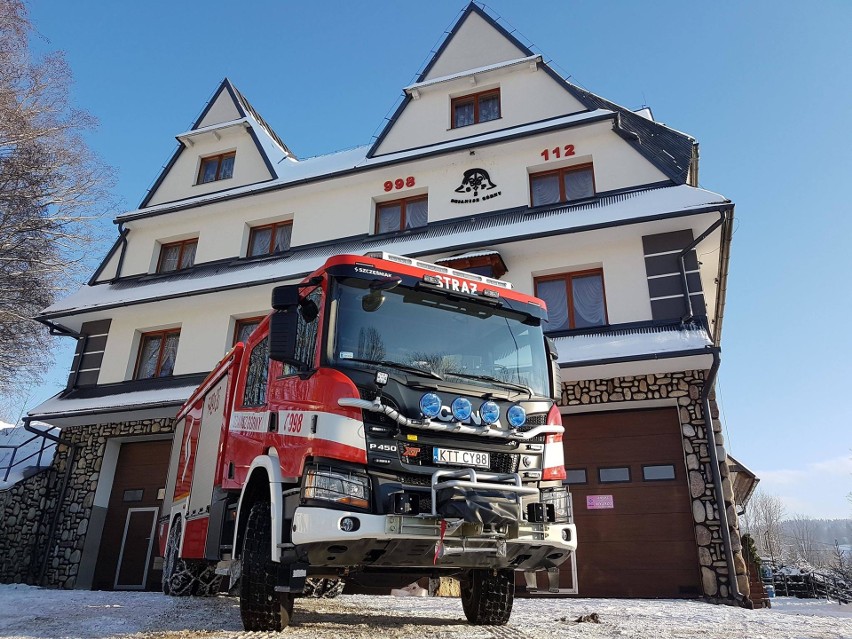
764 86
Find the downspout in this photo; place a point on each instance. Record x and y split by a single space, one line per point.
54 522
723 215
717 475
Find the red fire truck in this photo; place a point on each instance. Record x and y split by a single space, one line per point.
390 419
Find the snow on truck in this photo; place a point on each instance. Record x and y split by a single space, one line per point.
391 419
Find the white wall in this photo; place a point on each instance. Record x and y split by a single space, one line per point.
180 182
345 206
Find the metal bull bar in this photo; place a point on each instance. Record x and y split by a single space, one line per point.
376 406
493 481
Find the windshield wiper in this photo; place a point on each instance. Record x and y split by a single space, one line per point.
491 378
398 365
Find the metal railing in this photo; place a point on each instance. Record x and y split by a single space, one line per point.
15 461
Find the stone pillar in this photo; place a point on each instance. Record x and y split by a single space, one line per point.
684 388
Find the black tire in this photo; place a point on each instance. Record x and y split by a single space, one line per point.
487 596
178 577
321 588
207 582
261 607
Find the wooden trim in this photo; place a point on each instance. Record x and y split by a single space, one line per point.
273 227
242 322
403 202
561 173
220 158
474 98
182 244
568 278
145 336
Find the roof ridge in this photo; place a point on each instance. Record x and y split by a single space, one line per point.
250 110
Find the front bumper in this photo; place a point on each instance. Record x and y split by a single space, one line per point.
400 541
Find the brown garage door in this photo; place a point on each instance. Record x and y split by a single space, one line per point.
128 545
631 505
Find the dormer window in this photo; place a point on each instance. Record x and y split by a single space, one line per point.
216 167
177 255
476 108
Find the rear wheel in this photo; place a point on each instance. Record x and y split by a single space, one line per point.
487 596
178 577
261 607
322 588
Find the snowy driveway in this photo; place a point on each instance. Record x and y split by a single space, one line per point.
51 614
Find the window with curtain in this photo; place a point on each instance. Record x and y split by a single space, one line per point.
177 255
402 214
157 353
574 300
475 108
216 167
563 185
270 238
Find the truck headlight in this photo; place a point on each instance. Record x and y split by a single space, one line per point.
461 408
430 405
339 487
490 412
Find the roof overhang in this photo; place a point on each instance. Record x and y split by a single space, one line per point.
634 349
743 481
473 76
124 401
214 130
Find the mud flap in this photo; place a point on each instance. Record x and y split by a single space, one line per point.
487 507
291 578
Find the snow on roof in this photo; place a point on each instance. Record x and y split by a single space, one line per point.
494 229
325 166
466 256
575 349
30 450
470 72
148 398
213 127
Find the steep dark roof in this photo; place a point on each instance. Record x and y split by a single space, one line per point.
667 149
246 105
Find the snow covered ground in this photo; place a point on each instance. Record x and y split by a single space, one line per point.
27 612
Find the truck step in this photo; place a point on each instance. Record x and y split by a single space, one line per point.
223 567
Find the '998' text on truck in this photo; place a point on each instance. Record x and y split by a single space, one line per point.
390 419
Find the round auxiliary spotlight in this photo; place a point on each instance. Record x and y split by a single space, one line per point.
517 416
461 409
490 412
430 405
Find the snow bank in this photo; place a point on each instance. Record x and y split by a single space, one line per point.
27 612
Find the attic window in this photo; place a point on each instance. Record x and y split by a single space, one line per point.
216 167
476 108
563 185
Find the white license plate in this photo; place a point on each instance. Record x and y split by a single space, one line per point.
461 457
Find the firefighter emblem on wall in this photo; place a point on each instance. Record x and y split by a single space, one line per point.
474 182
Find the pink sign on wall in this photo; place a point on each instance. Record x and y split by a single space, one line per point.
599 502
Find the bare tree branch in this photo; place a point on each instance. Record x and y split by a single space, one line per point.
52 187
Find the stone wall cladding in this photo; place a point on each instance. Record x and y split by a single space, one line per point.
27 508
685 389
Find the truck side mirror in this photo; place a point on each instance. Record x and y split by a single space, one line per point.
284 325
555 371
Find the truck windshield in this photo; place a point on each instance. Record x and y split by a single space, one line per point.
458 340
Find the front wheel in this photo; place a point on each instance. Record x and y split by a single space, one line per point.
487 596
262 608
